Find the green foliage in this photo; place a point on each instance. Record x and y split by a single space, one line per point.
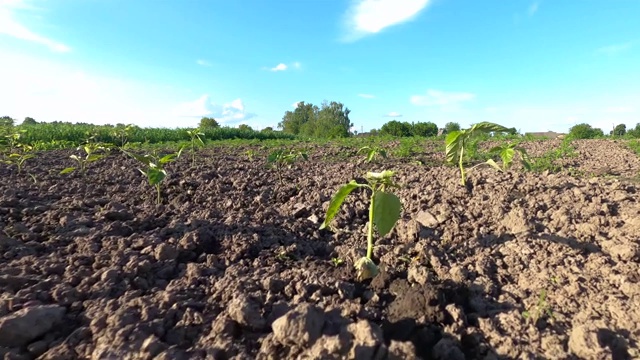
451 127
92 154
331 120
6 121
423 129
585 131
372 152
635 132
244 127
507 153
76 134
540 310
19 157
456 143
208 123
154 169
619 130
122 133
396 128
281 158
29 121
548 161
384 212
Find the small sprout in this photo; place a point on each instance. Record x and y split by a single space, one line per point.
337 261
372 153
91 155
122 133
384 212
250 154
19 158
457 141
281 158
154 169
541 309
507 153
196 140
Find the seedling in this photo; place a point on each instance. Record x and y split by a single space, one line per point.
541 309
457 141
196 140
336 261
18 159
91 155
122 133
250 154
154 169
373 152
507 153
384 212
281 158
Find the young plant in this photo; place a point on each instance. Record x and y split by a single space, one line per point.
91 155
457 141
507 153
154 169
18 159
122 133
336 261
373 152
281 158
541 309
384 212
196 141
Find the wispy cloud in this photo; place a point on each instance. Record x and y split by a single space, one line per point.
393 114
366 96
203 62
10 26
295 104
441 98
533 8
615 49
366 17
232 112
283 67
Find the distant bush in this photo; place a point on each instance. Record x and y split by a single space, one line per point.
427 129
635 132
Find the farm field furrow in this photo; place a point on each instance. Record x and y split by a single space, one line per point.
233 265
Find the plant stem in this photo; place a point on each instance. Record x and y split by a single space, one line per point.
158 191
463 182
370 230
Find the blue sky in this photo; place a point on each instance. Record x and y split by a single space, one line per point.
536 65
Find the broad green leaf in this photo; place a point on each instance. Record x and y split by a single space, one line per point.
383 153
386 211
507 157
453 143
94 157
167 159
338 199
486 127
494 164
274 156
75 157
156 176
141 158
304 156
387 174
67 170
13 156
372 153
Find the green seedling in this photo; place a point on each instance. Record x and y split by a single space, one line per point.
281 158
457 141
196 141
91 155
337 261
542 308
373 152
122 133
154 169
250 154
384 212
18 159
507 153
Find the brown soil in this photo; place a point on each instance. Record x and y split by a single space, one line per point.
231 266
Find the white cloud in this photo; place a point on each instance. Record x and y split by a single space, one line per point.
615 49
366 17
203 62
441 98
367 96
232 112
533 8
295 104
393 114
279 67
10 26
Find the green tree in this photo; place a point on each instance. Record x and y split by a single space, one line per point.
396 128
635 132
451 127
208 123
620 130
267 129
293 121
29 121
427 129
329 121
585 131
6 121
245 127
